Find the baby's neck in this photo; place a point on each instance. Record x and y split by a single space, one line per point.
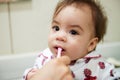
73 62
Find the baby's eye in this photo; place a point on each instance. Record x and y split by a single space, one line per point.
56 28
73 32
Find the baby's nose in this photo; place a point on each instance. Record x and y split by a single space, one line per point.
61 36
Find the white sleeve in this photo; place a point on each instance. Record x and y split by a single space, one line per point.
41 59
25 73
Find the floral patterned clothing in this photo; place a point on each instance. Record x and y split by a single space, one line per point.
92 67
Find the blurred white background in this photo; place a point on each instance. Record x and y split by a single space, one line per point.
24 26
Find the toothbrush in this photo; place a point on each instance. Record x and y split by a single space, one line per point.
59 52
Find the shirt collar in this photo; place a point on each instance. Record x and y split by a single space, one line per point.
91 55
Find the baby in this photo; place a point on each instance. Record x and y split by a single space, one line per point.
77 27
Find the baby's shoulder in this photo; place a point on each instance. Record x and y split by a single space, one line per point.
46 52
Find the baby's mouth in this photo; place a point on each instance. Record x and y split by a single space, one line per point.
61 48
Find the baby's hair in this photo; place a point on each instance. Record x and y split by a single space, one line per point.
98 14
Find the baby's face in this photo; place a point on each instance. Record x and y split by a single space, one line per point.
73 31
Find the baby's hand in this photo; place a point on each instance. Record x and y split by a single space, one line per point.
31 73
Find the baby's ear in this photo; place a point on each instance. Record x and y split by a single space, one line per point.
92 44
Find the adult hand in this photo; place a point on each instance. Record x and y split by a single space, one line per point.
56 69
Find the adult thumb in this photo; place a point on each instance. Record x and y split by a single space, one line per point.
65 60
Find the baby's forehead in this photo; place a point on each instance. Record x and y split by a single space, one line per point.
80 5
75 14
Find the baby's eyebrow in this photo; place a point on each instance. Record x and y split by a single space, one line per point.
77 26
54 21
73 26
